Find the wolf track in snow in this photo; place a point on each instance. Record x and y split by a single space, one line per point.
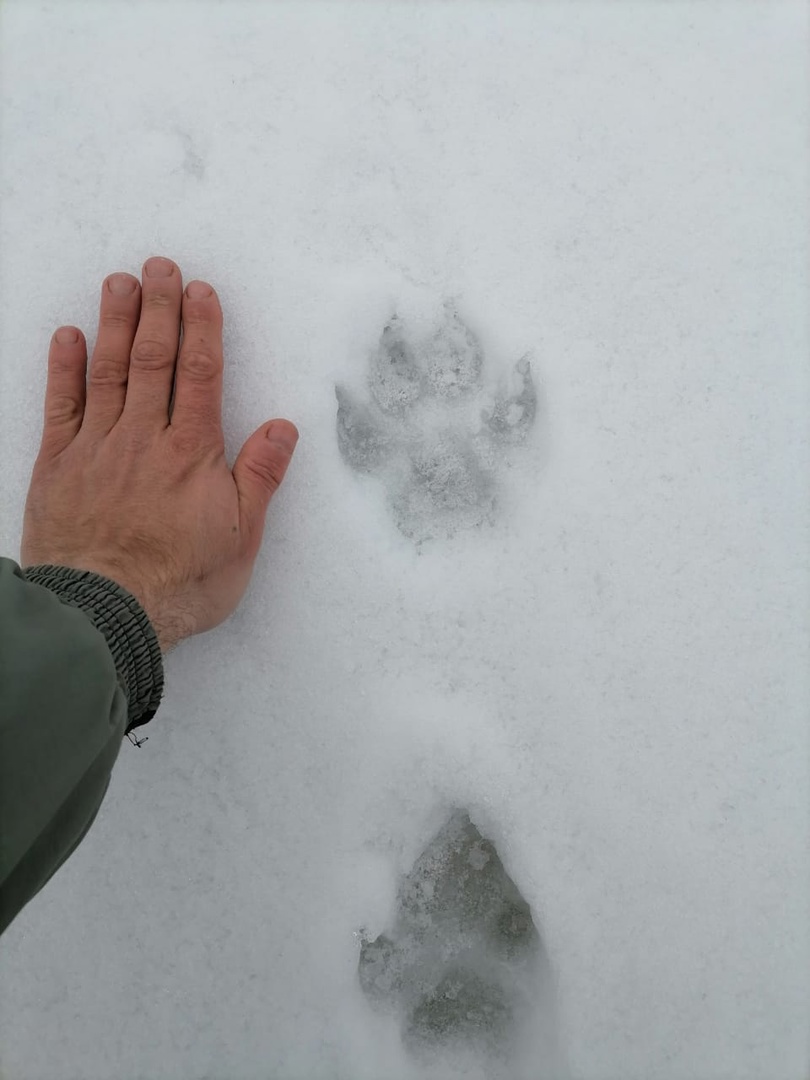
430 429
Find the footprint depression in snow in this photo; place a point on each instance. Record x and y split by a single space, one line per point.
463 962
431 430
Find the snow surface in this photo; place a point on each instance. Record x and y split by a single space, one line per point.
612 678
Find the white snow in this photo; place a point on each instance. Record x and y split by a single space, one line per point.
613 678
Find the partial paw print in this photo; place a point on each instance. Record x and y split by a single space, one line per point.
463 963
432 431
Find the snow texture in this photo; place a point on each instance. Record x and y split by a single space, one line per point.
583 631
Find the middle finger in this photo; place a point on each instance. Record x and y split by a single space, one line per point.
154 350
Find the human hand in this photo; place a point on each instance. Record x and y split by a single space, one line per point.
131 479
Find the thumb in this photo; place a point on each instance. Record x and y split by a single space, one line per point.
260 468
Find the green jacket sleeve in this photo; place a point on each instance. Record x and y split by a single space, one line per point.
80 667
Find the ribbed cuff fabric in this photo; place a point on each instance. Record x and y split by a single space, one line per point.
123 622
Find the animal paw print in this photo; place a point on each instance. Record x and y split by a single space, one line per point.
462 961
431 431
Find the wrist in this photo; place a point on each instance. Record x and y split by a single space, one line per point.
119 616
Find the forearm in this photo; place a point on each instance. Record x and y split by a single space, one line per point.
79 667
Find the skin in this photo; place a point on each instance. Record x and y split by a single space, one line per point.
131 479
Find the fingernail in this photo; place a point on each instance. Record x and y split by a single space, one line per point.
121 284
66 336
284 434
197 290
158 267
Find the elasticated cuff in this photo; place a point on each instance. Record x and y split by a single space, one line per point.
123 622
